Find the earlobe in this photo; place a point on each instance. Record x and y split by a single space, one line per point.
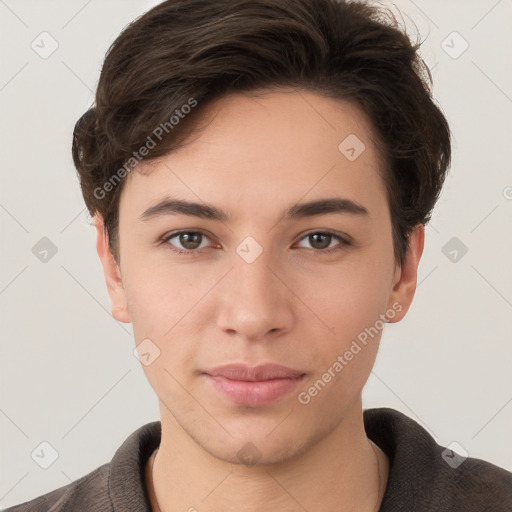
407 275
111 272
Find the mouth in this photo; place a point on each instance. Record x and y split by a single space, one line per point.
254 386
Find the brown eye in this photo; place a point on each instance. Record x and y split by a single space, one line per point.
186 241
190 241
321 241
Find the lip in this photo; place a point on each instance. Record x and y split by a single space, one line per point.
244 372
254 385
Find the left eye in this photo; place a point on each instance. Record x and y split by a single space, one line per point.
191 241
323 240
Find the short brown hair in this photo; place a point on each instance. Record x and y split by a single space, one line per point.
185 51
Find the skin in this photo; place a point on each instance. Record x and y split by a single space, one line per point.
293 305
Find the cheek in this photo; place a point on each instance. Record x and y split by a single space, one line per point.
350 305
350 297
166 307
163 312
344 357
350 301
157 298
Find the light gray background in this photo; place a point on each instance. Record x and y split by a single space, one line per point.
68 374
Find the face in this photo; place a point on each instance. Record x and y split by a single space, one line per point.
256 276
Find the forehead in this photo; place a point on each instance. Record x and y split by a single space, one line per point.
251 149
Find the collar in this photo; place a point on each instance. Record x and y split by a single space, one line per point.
419 478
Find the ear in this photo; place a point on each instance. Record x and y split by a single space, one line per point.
112 273
406 275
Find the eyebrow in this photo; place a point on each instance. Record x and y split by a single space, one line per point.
297 211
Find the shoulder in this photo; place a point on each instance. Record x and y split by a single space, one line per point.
426 476
481 482
117 485
91 490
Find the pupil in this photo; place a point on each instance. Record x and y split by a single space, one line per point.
326 237
185 240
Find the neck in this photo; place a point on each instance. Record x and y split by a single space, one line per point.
342 472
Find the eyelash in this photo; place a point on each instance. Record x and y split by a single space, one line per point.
343 242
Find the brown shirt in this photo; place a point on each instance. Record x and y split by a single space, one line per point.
423 476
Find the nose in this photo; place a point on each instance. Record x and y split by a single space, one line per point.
255 300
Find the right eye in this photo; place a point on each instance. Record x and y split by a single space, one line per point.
190 241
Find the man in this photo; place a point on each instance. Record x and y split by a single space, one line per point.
260 173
